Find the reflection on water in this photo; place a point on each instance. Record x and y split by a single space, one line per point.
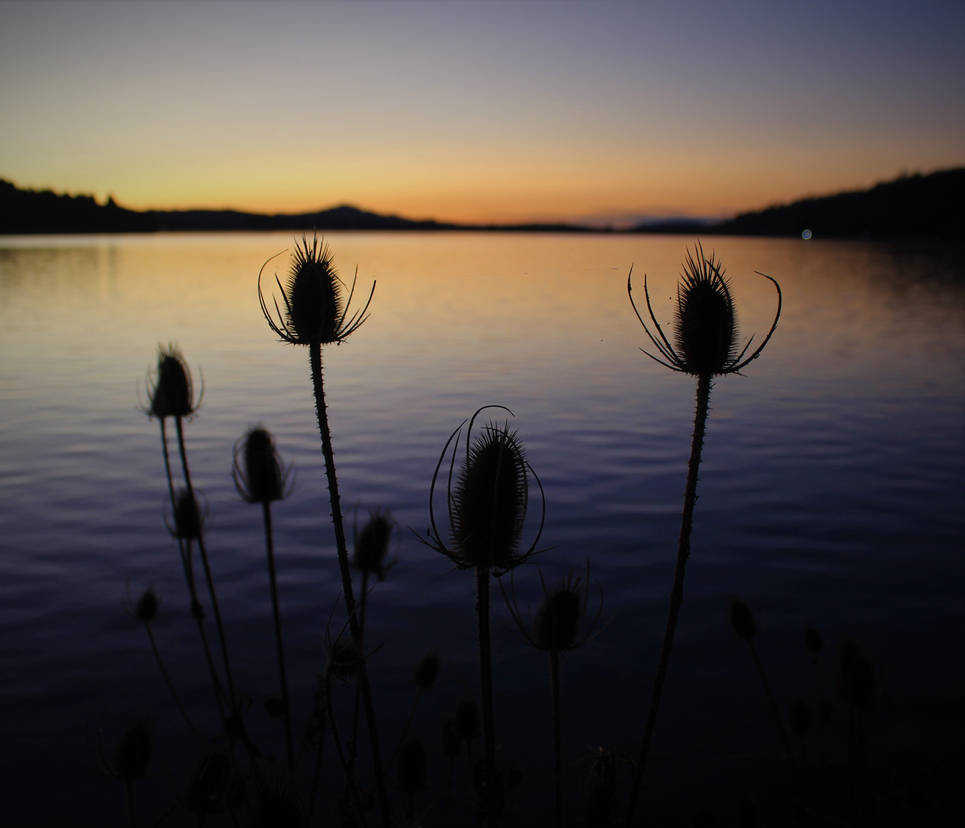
831 491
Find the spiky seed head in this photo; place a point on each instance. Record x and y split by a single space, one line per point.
259 477
813 641
314 294
147 606
489 501
275 707
451 739
171 391
706 326
412 766
742 620
558 619
467 719
133 753
187 516
372 544
799 717
427 671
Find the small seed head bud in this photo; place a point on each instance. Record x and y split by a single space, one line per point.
257 470
467 720
812 642
372 544
558 619
171 391
187 516
147 606
451 739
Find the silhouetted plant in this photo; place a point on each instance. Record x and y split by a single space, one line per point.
260 478
487 507
132 753
706 337
317 312
555 629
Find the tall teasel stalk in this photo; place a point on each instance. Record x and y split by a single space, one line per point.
317 312
171 394
487 507
260 478
705 333
556 629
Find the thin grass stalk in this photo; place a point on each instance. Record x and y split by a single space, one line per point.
677 594
129 796
283 675
315 357
557 744
167 678
486 681
771 702
363 601
316 778
343 759
219 624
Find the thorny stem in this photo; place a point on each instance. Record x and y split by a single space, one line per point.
557 749
207 571
167 677
315 356
486 684
184 550
677 595
336 739
273 581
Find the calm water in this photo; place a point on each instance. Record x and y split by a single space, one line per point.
832 493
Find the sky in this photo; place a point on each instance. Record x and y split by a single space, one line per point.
479 111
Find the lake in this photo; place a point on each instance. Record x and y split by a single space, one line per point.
832 494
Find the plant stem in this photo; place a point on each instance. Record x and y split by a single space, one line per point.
315 357
557 745
167 677
207 571
486 684
336 739
273 581
129 795
771 701
677 594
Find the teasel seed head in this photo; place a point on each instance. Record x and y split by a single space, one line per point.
858 684
257 470
316 309
705 329
427 671
487 505
742 620
147 606
188 520
170 389
813 642
372 544
412 766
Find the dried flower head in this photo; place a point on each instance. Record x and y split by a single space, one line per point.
412 766
812 642
372 544
188 520
706 323
316 311
257 470
557 624
467 720
147 606
857 681
132 754
427 671
487 504
170 389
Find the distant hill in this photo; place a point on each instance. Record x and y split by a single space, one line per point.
916 205
930 206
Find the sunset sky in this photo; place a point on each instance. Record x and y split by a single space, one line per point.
479 111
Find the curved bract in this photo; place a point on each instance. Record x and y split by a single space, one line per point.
487 499
316 311
705 327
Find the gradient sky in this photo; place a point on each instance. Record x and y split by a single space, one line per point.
473 111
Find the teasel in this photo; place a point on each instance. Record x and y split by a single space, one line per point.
145 610
132 754
706 345
314 308
261 478
486 505
171 394
559 626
